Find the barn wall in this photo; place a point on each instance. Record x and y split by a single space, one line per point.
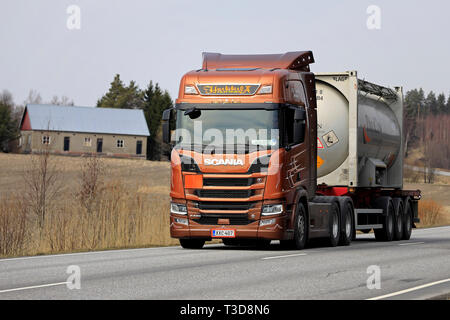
77 143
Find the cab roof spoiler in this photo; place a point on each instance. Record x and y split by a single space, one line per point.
296 60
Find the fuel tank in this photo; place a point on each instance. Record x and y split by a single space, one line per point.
359 133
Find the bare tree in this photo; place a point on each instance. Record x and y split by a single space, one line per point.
33 98
42 182
91 181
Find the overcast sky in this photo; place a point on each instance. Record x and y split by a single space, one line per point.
161 40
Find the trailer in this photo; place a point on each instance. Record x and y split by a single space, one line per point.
332 164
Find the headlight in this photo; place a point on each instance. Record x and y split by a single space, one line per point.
178 208
272 209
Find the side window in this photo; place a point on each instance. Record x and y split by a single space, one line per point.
289 125
120 143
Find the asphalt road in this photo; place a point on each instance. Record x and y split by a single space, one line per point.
414 269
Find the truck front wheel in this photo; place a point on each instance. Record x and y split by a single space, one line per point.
301 226
192 243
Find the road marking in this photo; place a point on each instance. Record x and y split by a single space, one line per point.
34 287
86 253
410 243
285 256
409 290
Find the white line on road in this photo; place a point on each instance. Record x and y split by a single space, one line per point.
410 243
409 290
35 287
285 256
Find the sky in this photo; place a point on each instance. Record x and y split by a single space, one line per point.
146 40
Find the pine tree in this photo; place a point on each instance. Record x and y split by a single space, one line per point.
440 104
431 103
155 102
8 124
120 96
414 103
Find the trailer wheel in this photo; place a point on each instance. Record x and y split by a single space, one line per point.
407 221
300 227
334 225
387 232
347 234
192 243
398 218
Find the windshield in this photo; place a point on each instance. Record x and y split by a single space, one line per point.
230 130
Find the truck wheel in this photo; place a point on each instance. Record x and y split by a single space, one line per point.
300 228
398 218
192 243
387 232
334 226
407 221
347 234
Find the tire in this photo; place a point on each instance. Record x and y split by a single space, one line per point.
192 243
407 221
300 228
334 226
346 236
398 218
387 232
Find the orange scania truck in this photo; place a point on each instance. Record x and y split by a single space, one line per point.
263 149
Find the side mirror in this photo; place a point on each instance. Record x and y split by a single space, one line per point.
299 126
166 125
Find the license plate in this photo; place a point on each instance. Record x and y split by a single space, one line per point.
223 233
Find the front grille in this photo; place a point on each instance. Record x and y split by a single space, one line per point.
235 219
214 205
227 182
224 193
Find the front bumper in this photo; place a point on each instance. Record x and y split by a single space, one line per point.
275 231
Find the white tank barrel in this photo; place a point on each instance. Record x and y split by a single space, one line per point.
359 132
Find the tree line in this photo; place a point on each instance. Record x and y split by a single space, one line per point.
152 100
427 128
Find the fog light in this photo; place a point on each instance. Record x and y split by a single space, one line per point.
181 221
266 222
271 209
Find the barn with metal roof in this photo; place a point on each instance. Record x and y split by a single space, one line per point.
75 130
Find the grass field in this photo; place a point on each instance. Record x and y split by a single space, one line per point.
130 208
127 206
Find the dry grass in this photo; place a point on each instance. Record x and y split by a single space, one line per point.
431 213
119 203
129 206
